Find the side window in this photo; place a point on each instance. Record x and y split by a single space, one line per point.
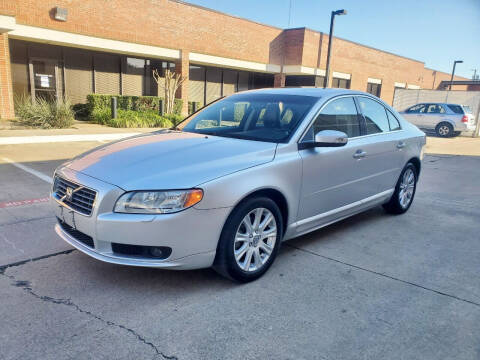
340 115
434 109
457 109
420 108
393 121
375 115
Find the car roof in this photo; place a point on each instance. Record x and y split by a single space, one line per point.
309 91
437 103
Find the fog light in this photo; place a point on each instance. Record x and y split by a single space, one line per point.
156 252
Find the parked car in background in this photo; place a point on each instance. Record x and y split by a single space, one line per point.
231 182
446 119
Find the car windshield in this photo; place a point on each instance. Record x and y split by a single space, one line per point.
467 109
252 116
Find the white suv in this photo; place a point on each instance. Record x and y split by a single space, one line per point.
446 119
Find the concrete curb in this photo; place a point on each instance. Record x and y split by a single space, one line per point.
14 140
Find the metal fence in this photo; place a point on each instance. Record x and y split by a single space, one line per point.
404 98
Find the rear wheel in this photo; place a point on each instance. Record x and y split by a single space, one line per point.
402 198
250 240
444 129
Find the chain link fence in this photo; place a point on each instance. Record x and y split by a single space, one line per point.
404 98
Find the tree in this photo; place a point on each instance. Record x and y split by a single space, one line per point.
170 84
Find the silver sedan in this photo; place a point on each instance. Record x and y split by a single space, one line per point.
235 179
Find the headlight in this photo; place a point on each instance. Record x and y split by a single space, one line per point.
157 202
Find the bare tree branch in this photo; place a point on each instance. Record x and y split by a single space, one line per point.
170 84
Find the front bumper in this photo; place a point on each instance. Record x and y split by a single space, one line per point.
191 234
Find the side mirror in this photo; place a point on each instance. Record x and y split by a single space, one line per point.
330 138
325 138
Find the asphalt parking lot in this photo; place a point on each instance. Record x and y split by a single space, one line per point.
374 286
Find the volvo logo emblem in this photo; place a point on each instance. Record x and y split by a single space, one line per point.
69 194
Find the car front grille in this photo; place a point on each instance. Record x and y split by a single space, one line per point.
77 235
81 199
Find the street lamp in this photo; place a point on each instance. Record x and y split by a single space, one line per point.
453 72
332 20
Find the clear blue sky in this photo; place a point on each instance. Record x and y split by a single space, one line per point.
436 32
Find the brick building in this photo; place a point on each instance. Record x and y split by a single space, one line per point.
77 47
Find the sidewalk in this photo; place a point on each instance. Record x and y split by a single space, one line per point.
81 131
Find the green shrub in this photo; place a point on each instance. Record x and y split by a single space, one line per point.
81 111
130 119
45 114
190 106
126 102
174 119
134 119
101 115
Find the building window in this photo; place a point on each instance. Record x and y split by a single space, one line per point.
260 80
133 79
340 83
299 80
374 89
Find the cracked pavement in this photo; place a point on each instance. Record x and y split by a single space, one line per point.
373 286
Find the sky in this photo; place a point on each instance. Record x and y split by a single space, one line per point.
436 32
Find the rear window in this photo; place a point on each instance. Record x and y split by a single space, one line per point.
467 109
457 109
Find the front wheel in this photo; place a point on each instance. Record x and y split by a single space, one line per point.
250 240
402 198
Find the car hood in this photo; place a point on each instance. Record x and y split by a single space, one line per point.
170 160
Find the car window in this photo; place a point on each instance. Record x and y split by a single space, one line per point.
435 109
419 108
251 116
467 109
375 115
393 121
340 115
457 109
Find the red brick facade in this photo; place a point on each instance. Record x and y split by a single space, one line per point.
6 93
192 29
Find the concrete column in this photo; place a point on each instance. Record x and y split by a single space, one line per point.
6 90
182 67
279 80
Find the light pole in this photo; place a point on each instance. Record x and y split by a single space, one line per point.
332 20
453 72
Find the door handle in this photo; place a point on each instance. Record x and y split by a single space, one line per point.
359 154
401 145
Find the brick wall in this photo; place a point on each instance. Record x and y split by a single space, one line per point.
6 92
433 78
162 23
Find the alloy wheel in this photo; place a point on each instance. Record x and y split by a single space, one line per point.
443 130
407 187
255 239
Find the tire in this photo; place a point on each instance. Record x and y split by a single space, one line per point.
237 242
444 129
397 205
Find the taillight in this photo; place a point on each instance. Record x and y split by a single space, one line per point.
465 119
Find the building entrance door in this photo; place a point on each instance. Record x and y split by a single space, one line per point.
43 79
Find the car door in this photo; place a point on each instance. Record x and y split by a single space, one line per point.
333 178
383 144
415 114
433 116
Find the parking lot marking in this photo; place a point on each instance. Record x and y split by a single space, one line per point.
29 170
14 140
8 204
